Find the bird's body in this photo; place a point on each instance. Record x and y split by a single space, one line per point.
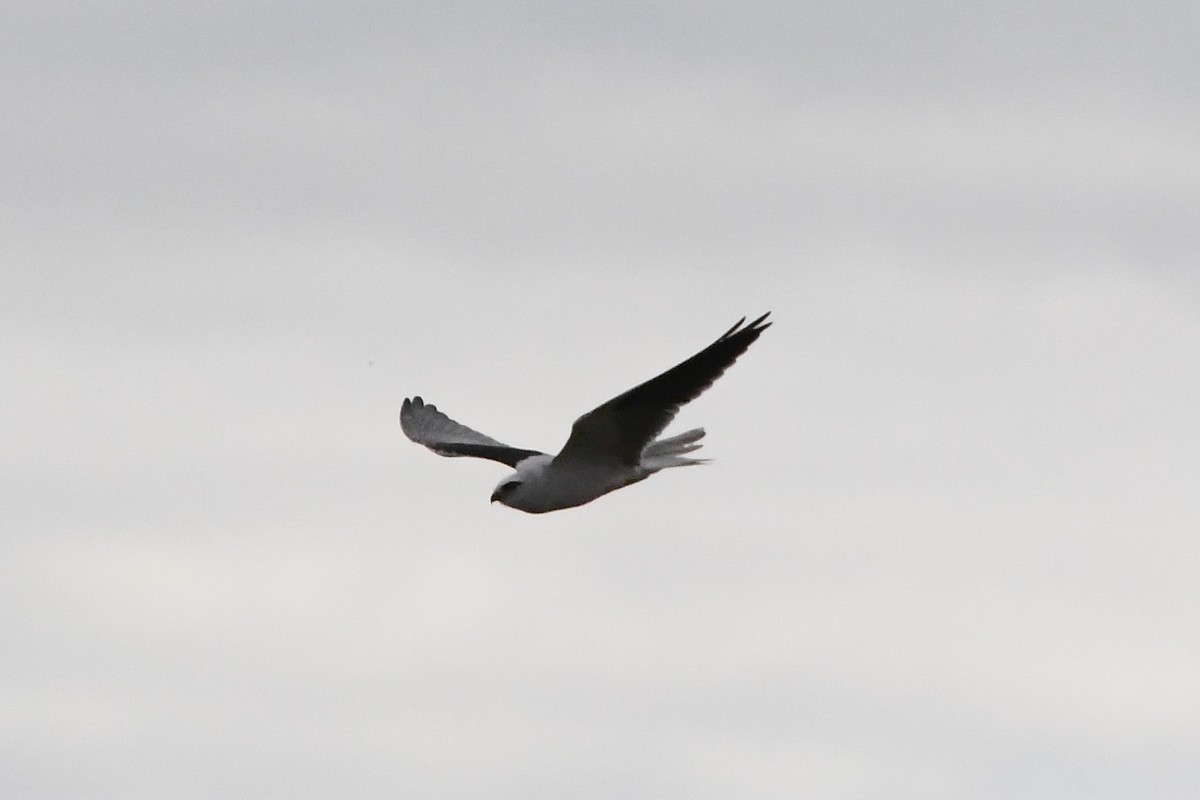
610 447
544 484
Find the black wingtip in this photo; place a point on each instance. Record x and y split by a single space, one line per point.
758 323
756 327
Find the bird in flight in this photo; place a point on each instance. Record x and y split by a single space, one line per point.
610 447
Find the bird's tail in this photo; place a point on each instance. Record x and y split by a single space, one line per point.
670 452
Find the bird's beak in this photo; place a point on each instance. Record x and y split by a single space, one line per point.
495 496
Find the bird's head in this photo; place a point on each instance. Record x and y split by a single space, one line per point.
507 487
520 489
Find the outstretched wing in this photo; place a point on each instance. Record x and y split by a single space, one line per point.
424 424
621 428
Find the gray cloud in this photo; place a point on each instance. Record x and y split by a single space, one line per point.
945 547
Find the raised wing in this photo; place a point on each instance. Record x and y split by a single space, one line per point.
621 428
424 424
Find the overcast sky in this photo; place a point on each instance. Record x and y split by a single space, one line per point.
948 546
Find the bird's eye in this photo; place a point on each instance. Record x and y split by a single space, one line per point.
510 486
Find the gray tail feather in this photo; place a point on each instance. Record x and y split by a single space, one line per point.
668 452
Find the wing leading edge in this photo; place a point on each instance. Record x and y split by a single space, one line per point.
623 426
425 425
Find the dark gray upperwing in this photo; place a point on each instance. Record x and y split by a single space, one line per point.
427 426
623 426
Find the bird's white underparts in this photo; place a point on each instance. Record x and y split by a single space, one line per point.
611 446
